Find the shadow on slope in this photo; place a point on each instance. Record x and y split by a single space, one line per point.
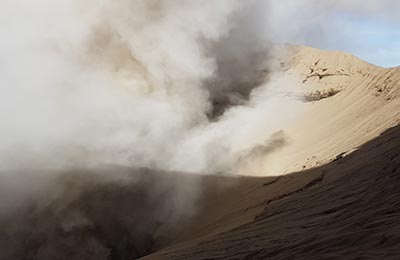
347 209
109 213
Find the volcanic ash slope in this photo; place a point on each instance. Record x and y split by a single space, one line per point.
341 202
348 102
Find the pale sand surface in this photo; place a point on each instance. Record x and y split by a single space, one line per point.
368 103
347 209
340 198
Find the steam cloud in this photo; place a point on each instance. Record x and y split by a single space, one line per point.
132 83
171 85
135 82
87 85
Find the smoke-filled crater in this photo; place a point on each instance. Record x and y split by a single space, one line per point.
112 112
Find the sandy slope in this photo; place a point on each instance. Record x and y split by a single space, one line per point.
343 203
366 104
348 209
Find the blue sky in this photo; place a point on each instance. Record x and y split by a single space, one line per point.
381 43
369 29
374 40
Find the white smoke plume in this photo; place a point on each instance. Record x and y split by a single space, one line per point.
165 85
129 82
173 85
134 82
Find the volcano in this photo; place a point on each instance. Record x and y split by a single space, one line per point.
331 191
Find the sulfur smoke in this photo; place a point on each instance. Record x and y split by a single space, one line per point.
101 100
133 83
141 83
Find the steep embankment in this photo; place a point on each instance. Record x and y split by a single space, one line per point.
343 203
348 209
348 102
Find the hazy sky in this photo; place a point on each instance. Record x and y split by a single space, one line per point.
369 29
371 39
379 41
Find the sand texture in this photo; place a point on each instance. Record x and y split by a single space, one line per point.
340 197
